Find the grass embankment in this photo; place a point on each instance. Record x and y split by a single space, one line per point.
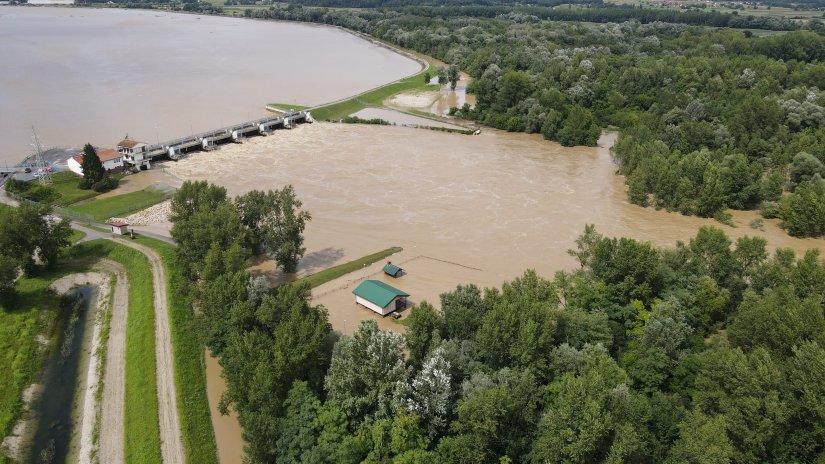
374 97
76 236
101 210
288 106
141 429
20 353
190 366
335 272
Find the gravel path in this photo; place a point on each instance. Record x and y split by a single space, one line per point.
114 378
171 446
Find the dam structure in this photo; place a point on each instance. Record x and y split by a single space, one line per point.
140 155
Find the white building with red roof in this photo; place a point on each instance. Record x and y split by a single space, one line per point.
109 158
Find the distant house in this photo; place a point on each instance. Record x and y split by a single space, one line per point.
392 270
119 227
109 158
380 297
133 153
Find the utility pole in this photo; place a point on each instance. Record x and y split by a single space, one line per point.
45 177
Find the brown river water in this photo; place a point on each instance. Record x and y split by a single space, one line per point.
466 209
94 75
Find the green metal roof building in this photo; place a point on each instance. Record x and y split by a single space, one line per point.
380 297
392 270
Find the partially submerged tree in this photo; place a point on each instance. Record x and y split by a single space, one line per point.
276 224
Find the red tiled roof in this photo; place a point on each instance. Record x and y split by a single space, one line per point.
119 223
128 143
108 154
79 159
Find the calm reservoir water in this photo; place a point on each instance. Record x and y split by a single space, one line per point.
94 75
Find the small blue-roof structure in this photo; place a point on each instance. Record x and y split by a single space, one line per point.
380 297
392 270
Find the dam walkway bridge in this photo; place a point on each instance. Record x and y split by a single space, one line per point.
177 148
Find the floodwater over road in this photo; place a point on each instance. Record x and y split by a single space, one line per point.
94 75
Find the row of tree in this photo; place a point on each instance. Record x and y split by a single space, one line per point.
707 352
30 241
556 10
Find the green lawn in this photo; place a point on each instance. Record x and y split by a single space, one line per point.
65 184
288 106
337 271
20 356
374 97
101 210
190 366
76 236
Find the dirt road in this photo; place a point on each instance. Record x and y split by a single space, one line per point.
171 446
114 380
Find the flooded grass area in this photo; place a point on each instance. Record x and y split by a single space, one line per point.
227 429
25 337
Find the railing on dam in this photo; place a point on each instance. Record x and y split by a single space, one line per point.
174 147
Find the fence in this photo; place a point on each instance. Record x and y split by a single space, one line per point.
57 211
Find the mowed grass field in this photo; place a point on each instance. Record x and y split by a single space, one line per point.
65 184
100 210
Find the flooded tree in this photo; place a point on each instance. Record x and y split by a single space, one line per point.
276 224
453 75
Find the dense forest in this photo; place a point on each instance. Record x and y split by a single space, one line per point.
710 351
709 118
402 3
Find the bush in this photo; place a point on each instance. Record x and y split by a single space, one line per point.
17 186
105 184
85 183
769 209
41 194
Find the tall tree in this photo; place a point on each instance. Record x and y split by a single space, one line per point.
423 329
93 171
284 237
453 75
364 373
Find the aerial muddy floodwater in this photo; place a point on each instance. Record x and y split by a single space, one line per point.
466 209
95 75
